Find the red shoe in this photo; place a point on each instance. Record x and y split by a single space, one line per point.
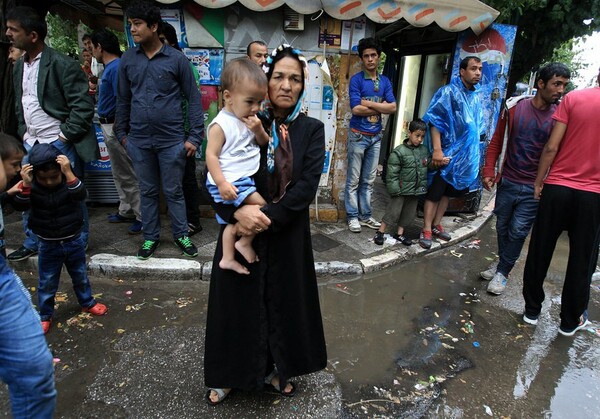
97 309
46 325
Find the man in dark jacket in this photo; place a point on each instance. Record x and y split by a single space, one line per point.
51 101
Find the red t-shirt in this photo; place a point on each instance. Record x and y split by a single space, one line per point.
577 163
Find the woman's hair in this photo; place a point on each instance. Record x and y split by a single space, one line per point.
10 146
144 10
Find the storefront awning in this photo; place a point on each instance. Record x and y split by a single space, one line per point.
450 15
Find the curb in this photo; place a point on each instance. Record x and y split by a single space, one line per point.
130 267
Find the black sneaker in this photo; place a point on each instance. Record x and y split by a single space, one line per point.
194 229
21 253
187 247
147 249
402 239
378 239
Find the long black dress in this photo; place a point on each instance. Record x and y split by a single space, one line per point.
273 314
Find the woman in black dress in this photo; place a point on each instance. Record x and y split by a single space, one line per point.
266 327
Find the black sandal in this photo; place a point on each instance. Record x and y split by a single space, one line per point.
221 396
277 388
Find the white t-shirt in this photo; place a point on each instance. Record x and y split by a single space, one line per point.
240 155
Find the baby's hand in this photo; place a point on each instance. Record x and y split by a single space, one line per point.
445 161
27 174
227 191
253 123
64 163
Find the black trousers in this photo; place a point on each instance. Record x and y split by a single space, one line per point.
191 191
577 212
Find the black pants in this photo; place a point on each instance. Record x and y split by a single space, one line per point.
191 191
577 212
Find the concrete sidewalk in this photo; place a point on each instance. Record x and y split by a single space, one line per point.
336 249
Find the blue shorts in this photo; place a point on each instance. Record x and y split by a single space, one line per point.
245 188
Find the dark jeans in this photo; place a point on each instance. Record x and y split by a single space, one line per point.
515 212
191 191
51 257
578 213
154 167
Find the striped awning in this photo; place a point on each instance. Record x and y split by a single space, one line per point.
450 15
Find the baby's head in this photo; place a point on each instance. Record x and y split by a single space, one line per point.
46 171
11 152
416 132
244 86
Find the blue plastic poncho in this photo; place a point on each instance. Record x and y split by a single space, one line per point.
457 113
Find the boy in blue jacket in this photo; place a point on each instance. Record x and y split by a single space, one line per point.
54 195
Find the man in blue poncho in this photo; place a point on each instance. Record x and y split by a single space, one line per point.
455 118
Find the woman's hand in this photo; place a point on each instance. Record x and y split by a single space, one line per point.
251 220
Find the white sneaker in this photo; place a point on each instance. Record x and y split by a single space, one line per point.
489 273
354 225
497 284
371 223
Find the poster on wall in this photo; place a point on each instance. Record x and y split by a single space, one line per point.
330 33
321 102
174 17
350 35
210 106
494 47
208 62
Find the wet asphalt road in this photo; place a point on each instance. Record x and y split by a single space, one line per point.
422 339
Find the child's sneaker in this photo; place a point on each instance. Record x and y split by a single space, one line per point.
187 247
425 239
97 309
402 239
147 249
439 232
46 325
583 322
378 239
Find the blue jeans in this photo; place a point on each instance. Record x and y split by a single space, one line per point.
515 212
25 361
51 257
363 154
68 149
153 166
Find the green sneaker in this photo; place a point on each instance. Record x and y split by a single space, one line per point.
187 247
147 249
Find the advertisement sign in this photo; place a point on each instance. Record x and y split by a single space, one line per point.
494 47
102 164
208 62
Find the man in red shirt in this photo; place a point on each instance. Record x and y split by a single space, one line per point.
568 183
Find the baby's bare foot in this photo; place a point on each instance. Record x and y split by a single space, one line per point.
234 265
247 251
